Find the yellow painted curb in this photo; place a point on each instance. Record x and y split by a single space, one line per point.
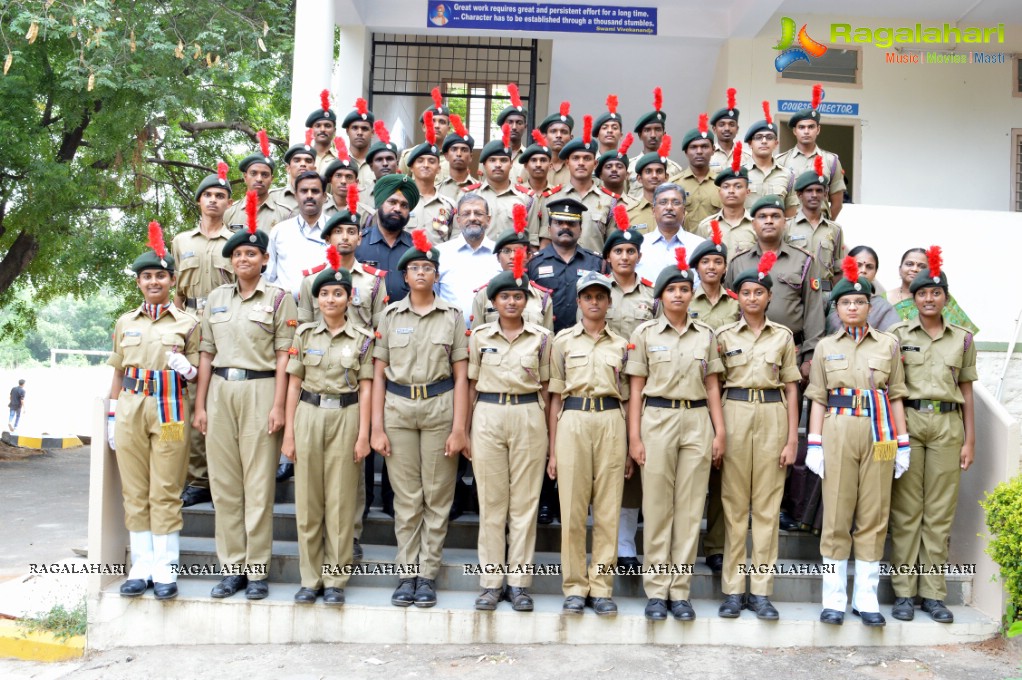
17 643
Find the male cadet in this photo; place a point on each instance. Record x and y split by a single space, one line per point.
651 128
725 128
733 218
457 150
557 128
806 126
339 175
435 126
607 126
468 257
257 172
766 177
323 122
201 267
435 212
299 158
516 117
496 187
651 172
358 124
811 230
534 186
381 156
703 197
386 240
612 170
558 267
658 246
580 155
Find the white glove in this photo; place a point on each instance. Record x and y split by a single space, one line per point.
814 454
903 457
110 424
180 364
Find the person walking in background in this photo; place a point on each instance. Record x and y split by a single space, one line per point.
16 405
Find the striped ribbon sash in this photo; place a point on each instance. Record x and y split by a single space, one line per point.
885 443
167 388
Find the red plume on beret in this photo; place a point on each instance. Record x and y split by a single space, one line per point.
565 109
715 233
736 158
818 166
156 239
520 215
308 136
850 269
518 265
251 208
264 143
459 126
362 106
817 96
658 98
626 144
505 135
427 121
665 148
421 241
380 130
621 216
438 99
333 257
353 198
221 171
342 150
612 103
731 92
766 113
538 137
704 124
935 256
680 259
587 129
516 99
324 100
766 263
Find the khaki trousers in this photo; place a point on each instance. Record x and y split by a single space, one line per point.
198 472
713 541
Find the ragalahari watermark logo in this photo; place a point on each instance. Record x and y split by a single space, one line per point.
806 50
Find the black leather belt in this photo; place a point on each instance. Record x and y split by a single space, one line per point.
660 402
421 391
741 394
136 385
502 398
799 338
195 303
859 401
233 374
932 405
329 400
591 403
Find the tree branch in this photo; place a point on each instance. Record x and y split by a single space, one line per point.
194 128
179 164
19 256
73 139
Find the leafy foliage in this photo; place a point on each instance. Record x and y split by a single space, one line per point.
1004 520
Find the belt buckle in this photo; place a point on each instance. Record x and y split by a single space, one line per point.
506 398
927 405
418 391
236 374
760 396
200 304
856 400
329 402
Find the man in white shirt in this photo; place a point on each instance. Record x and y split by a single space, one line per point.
295 243
658 246
467 261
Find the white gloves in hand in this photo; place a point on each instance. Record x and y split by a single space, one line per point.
814 454
110 424
180 364
903 457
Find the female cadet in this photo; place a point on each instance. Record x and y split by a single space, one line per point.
420 408
674 430
508 370
857 437
331 370
761 416
247 328
881 314
155 347
940 367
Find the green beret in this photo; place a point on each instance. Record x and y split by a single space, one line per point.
414 253
509 237
649 119
565 210
768 201
379 146
339 219
648 158
558 118
534 149
578 145
721 114
924 280
804 114
707 247
451 139
846 287
606 157
388 184
338 165
506 281
759 126
260 240
150 260
321 114
693 135
512 111
727 173
671 274
593 278
495 147
753 276
212 181
424 149
437 111
355 117
296 149
617 237
809 178
330 277
256 157
606 117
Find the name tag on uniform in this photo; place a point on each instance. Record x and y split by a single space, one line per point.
658 348
316 352
491 309
371 263
911 348
834 357
578 354
488 350
403 331
545 271
190 253
216 310
132 333
694 315
792 239
733 352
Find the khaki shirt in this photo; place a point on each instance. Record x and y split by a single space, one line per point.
763 362
640 213
934 369
703 198
140 342
824 242
780 181
798 162
673 172
331 364
326 158
419 350
366 304
517 367
269 213
442 173
200 265
366 178
501 207
594 220
435 214
535 204
630 308
560 175
714 315
286 197
872 363
539 308
248 333
455 190
721 160
674 364
737 237
583 367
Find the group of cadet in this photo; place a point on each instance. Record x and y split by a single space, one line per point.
594 333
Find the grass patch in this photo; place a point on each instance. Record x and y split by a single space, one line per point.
62 622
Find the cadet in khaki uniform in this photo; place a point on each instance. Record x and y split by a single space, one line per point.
676 429
358 125
155 347
339 175
534 186
612 171
650 172
508 370
436 124
857 438
200 269
247 329
434 212
697 179
766 177
331 369
588 393
257 171
940 367
580 157
813 232
733 218
558 129
322 122
539 304
651 129
725 127
497 187
420 408
761 416
457 150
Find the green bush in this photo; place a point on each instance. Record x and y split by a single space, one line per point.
62 622
1004 520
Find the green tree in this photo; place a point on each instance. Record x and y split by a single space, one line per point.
111 112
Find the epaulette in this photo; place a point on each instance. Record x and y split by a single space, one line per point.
540 288
610 193
471 187
528 191
373 271
731 294
306 326
482 287
552 190
315 270
646 282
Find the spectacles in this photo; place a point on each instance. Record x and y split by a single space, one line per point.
506 251
764 138
674 202
424 268
473 213
846 302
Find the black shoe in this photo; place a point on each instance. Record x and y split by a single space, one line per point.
603 606
788 523
257 590
285 471
546 515
656 609
455 512
333 597
388 510
631 564
904 609
425 592
165 591
715 563
938 611
762 606
832 616
307 595
356 550
519 598
573 604
871 619
228 586
731 607
682 610
134 587
488 599
404 594
193 495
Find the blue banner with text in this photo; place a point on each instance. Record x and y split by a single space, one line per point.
541 16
